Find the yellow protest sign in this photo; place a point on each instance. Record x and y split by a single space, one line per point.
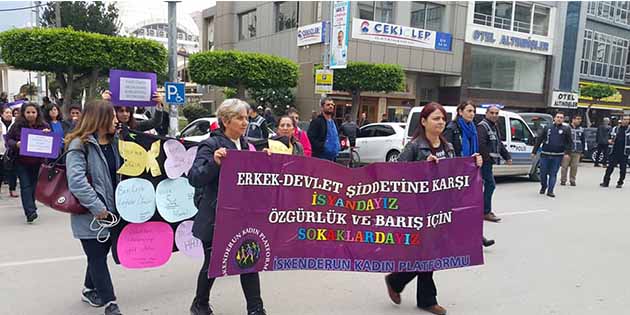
137 159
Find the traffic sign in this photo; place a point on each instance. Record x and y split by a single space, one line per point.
175 93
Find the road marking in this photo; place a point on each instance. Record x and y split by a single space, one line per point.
40 261
504 214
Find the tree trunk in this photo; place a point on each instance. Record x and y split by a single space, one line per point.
240 92
356 104
67 93
93 84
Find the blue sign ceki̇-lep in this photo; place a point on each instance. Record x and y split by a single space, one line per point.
175 93
400 35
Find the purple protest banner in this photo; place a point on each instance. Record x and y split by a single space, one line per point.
130 88
34 142
284 212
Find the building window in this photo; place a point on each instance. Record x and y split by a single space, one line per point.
483 13
500 69
381 11
247 25
286 15
614 11
541 20
515 16
604 56
503 15
426 15
319 11
522 17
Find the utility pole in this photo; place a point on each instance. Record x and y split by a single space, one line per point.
58 13
172 63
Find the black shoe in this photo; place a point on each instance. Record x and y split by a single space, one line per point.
31 218
563 183
573 184
487 242
542 191
603 184
619 185
552 195
112 309
199 309
258 311
596 165
91 297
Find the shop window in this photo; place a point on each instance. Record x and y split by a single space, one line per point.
286 15
247 25
507 70
426 15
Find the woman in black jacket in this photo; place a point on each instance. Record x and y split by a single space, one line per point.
204 176
427 144
125 114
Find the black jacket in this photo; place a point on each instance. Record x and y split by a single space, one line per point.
603 134
317 131
453 135
484 147
550 148
204 176
419 150
152 123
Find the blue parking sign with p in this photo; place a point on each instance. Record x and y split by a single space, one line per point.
175 93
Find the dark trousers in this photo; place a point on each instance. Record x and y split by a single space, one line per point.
549 166
601 155
426 293
28 180
622 161
488 186
250 282
97 275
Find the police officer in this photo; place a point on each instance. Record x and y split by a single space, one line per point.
556 144
573 160
620 140
491 149
257 127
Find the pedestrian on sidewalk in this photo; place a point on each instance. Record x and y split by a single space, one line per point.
602 136
462 134
620 151
27 167
6 173
573 160
322 132
98 159
556 144
492 150
350 129
204 176
427 144
300 135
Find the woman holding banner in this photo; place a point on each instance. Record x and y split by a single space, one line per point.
427 144
204 176
125 114
26 167
462 134
93 151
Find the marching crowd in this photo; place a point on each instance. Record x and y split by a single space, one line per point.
91 148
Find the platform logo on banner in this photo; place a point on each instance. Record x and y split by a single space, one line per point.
400 35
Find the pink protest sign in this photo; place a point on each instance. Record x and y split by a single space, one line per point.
186 242
145 245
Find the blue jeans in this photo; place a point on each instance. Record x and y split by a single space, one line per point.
549 166
488 186
28 181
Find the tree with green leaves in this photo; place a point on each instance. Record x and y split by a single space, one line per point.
93 16
242 70
279 100
79 58
363 77
596 92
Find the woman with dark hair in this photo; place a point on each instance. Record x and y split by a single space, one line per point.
125 114
427 144
54 118
93 153
7 120
204 176
27 167
462 134
286 136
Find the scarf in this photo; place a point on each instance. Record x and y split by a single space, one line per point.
470 144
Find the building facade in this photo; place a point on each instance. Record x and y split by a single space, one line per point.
272 27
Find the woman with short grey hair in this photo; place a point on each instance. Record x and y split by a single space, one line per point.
204 176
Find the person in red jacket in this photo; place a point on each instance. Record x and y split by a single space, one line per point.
300 135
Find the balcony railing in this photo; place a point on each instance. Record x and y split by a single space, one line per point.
483 19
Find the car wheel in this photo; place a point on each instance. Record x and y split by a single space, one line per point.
392 156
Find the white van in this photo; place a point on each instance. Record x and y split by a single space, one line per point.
515 135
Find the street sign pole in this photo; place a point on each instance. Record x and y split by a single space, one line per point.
172 64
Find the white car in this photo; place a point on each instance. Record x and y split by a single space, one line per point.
198 130
380 142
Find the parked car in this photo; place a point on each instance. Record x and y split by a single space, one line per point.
591 144
513 131
537 121
199 130
378 142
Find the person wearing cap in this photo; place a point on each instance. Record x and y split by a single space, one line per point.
257 127
492 150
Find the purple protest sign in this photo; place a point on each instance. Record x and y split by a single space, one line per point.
34 142
285 212
130 88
